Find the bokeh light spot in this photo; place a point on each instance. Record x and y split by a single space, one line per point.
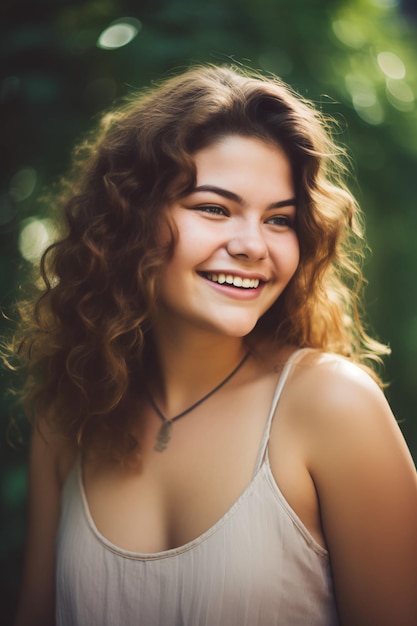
23 184
391 65
36 234
372 114
364 99
348 33
119 34
360 89
400 95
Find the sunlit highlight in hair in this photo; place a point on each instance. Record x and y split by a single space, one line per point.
87 340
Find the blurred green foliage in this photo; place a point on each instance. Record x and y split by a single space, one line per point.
357 59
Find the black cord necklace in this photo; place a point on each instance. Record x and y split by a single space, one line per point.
164 433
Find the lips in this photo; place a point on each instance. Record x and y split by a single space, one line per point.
232 280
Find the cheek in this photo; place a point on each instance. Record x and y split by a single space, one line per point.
187 254
289 256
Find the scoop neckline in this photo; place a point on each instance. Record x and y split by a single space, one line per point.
262 466
171 552
264 469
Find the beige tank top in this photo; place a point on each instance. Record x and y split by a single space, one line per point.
257 566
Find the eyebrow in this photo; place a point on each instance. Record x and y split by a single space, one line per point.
230 195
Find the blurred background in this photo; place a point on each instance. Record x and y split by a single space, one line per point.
65 61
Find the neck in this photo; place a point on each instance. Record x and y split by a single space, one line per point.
188 367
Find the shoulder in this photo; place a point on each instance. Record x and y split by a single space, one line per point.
326 393
330 391
344 425
366 485
321 368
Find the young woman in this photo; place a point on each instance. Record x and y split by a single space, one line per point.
209 446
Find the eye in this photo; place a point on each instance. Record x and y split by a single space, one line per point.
212 209
280 220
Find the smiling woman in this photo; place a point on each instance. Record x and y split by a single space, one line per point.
210 445
236 224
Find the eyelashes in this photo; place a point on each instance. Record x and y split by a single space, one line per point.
282 221
212 209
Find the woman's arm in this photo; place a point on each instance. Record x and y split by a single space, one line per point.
36 604
367 489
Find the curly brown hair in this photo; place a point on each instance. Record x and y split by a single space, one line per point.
87 338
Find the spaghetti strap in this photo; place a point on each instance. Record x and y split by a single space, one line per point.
277 394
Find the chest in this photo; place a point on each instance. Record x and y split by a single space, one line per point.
247 569
176 495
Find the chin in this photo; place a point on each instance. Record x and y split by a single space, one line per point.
238 329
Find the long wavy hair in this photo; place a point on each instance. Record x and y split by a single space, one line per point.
86 340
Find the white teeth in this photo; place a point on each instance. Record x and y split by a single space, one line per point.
236 281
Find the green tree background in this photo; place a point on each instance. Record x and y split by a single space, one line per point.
357 59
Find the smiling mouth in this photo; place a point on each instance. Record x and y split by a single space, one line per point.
233 281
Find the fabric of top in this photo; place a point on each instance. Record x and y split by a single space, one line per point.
257 566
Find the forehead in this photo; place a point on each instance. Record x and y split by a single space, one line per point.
245 165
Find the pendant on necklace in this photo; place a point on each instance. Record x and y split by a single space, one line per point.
164 435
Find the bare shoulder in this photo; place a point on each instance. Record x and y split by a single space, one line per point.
345 420
332 374
330 392
366 486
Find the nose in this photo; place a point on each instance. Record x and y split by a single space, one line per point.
247 241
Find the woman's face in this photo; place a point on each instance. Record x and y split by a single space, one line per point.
237 247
